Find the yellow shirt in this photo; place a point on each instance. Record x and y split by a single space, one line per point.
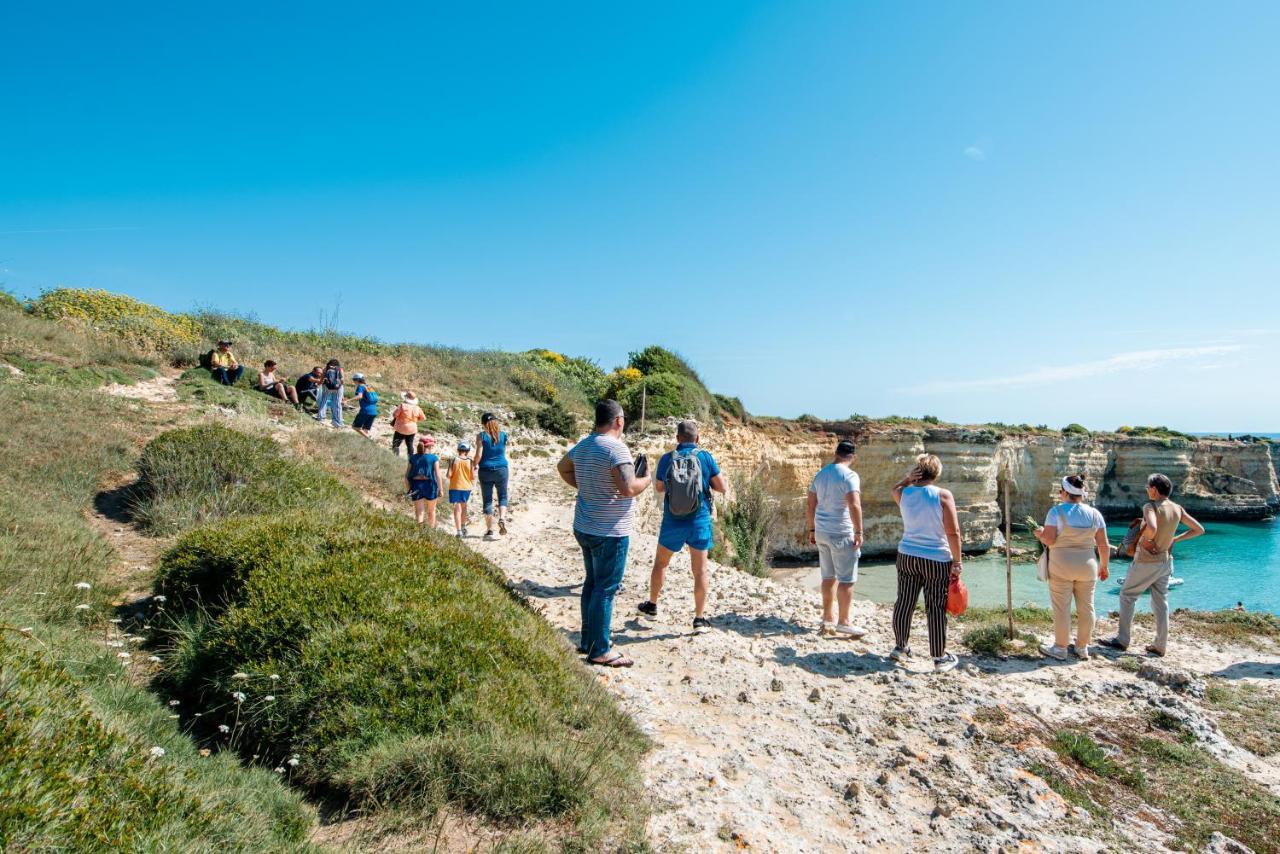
220 359
460 476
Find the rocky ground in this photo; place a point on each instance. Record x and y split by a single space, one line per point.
771 737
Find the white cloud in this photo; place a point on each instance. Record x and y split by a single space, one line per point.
975 152
1138 360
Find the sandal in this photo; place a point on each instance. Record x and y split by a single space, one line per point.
613 659
502 527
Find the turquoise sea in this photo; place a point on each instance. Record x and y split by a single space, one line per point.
1233 562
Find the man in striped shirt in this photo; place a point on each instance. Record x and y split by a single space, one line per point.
600 467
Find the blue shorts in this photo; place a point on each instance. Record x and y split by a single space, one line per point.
364 421
675 535
459 496
424 489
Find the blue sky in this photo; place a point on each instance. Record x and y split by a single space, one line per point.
982 211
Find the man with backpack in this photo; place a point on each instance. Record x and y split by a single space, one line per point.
685 478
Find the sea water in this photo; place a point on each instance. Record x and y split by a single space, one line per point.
1233 562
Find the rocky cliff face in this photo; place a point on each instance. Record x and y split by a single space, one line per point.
1214 479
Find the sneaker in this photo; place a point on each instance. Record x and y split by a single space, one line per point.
1113 643
701 625
945 663
849 631
900 654
648 609
1080 652
488 536
458 535
1156 651
464 530
502 527
1055 652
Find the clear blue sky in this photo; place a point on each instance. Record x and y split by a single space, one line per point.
983 211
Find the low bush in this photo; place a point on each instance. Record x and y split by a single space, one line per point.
1076 430
197 474
531 382
143 326
585 374
664 395
747 523
732 406
557 420
659 360
993 640
405 671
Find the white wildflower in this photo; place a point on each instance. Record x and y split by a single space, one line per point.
83 585
41 593
156 752
114 644
238 696
82 607
293 762
240 675
160 598
270 698
279 769
223 728
174 703
26 630
116 620
153 658
123 655
274 677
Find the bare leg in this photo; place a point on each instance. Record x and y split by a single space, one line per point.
457 518
431 513
844 596
659 575
698 559
828 599
419 510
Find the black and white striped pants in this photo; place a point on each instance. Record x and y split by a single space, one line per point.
934 577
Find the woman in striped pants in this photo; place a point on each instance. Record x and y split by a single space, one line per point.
928 558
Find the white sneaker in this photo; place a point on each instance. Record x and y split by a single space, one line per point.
1080 652
945 663
850 631
1055 652
899 654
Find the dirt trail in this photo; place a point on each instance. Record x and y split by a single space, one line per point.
772 737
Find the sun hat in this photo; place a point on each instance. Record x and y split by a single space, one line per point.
408 395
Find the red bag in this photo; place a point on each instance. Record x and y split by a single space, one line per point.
957 597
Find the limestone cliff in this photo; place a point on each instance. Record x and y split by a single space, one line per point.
1214 479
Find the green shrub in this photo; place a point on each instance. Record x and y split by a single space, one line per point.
585 374
9 302
197 474
732 406
557 420
658 360
1076 429
664 396
407 672
993 640
534 384
747 523
141 325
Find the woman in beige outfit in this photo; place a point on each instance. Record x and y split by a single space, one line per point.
1076 536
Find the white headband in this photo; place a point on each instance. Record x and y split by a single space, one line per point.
1069 489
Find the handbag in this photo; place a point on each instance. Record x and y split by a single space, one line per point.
1042 565
957 597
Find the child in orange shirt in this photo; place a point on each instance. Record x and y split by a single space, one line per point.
461 479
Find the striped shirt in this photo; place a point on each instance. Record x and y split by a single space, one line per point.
601 510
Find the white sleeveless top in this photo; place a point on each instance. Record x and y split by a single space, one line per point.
922 533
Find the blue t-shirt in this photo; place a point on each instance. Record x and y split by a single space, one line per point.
367 406
495 455
709 470
423 465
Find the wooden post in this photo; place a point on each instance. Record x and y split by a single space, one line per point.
644 399
1008 554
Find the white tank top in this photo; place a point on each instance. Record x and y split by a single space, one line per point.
922 533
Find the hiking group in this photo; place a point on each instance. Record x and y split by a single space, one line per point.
324 389
608 479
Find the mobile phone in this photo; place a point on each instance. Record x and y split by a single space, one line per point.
641 465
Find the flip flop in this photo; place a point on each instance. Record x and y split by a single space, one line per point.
614 659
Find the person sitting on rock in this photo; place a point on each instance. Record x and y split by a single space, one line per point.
1153 563
307 387
685 478
223 364
1079 554
929 557
269 383
834 510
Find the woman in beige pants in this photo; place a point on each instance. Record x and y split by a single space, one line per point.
1076 536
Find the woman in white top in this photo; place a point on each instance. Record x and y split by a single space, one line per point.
928 558
1076 536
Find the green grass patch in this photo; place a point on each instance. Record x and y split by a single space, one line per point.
1247 627
1247 714
197 474
1023 615
408 674
993 640
1073 793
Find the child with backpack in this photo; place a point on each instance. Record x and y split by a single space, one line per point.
331 393
367 399
685 478
422 481
461 479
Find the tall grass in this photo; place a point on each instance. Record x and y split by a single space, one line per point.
747 523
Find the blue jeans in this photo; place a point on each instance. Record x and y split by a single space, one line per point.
491 479
332 398
228 376
605 559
